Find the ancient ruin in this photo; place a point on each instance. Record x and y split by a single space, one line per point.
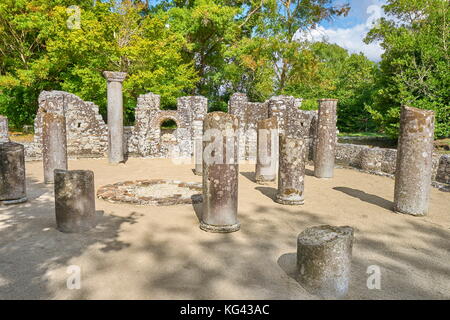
4 134
54 141
220 173
325 140
115 116
291 172
414 161
157 192
74 200
12 173
324 256
267 151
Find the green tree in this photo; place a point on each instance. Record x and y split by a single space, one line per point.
415 66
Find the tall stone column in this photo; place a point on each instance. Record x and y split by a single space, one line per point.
197 126
291 171
324 256
74 200
267 151
54 144
12 173
414 161
4 134
115 116
220 173
325 141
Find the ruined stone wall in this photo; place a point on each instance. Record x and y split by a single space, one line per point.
147 140
86 130
291 120
383 161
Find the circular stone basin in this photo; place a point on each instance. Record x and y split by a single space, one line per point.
152 192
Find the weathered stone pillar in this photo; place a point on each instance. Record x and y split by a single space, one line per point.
291 171
220 173
54 144
325 142
4 134
414 161
324 256
267 150
12 173
115 116
197 127
74 200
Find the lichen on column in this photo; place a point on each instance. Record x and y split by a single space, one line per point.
115 116
267 150
220 173
325 142
291 171
414 161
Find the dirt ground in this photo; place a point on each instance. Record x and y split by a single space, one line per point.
139 252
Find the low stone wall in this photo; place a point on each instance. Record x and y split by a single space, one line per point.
383 161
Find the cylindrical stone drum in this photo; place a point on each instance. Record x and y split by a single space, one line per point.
4 133
54 145
325 142
324 260
220 173
414 161
74 200
12 173
267 150
291 171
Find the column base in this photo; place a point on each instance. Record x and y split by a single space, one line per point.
220 229
290 202
409 213
14 201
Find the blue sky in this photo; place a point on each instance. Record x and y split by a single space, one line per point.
349 31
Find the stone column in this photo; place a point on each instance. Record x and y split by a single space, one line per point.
325 144
198 146
74 200
414 161
12 173
4 135
220 173
324 256
267 151
115 116
54 144
291 171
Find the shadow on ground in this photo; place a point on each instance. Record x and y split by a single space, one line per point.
366 197
29 238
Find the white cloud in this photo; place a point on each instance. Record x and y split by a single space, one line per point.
351 38
348 38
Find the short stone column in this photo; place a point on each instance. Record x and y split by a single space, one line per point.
12 173
325 142
4 134
74 200
291 171
324 256
267 151
115 116
414 161
220 172
54 144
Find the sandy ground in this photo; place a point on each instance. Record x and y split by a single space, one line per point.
139 252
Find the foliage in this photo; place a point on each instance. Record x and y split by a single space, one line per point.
415 66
